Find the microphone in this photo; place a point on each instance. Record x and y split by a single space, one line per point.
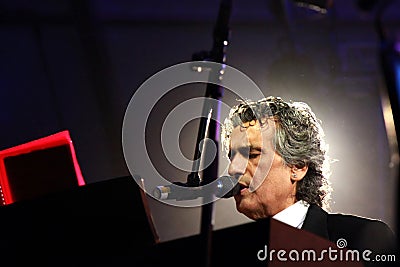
180 191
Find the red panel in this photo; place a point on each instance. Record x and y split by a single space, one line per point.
58 139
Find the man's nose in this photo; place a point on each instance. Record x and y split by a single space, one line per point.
237 166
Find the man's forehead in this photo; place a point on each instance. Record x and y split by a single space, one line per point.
247 136
253 134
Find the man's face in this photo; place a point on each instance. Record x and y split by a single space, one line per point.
257 166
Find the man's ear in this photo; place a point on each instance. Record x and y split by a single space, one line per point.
298 173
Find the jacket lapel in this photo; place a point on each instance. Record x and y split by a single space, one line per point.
316 221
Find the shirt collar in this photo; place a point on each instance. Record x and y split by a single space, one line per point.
293 215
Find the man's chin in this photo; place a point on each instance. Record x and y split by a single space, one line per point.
238 198
242 205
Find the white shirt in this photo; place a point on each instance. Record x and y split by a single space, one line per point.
293 215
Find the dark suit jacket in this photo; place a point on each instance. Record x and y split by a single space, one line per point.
360 233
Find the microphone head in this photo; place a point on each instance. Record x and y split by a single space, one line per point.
227 183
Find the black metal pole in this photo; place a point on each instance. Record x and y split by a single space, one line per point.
209 127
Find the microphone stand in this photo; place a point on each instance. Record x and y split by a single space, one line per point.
208 127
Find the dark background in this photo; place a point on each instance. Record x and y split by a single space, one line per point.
76 64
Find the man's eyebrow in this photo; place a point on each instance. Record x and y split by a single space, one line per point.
247 148
244 150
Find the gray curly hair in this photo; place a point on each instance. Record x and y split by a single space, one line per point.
299 140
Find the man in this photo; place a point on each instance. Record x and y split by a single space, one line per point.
277 153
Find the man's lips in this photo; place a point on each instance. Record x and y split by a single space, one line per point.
243 187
